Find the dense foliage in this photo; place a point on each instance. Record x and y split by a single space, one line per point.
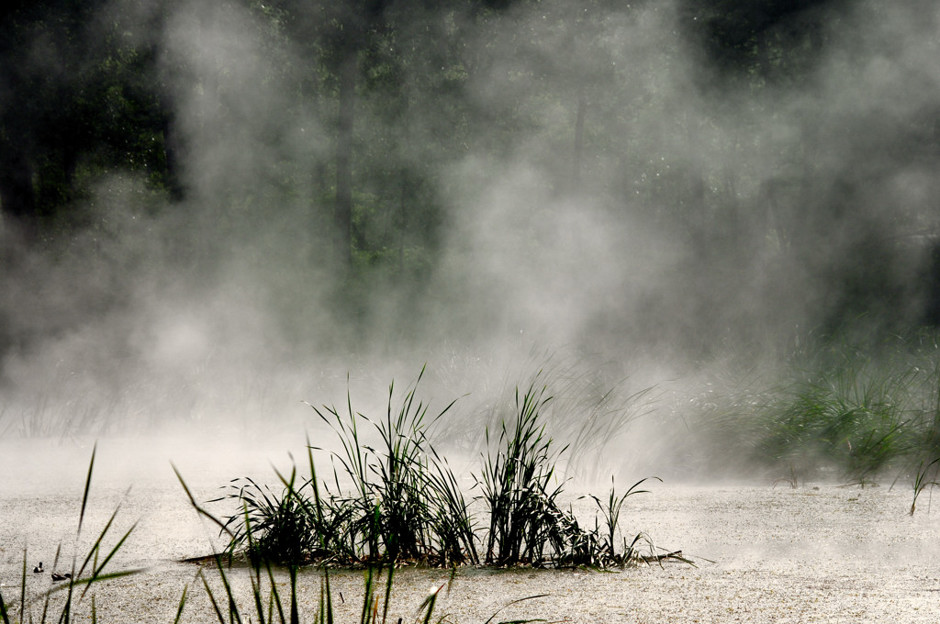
359 113
396 499
198 193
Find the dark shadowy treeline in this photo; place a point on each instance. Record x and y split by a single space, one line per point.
739 131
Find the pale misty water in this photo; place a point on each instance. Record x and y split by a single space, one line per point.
764 553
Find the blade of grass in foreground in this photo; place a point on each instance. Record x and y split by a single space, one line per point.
212 600
294 610
3 610
96 568
91 465
23 588
388 592
192 501
517 601
232 605
179 610
65 616
429 602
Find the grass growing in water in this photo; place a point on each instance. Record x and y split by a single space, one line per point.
922 480
402 502
855 412
268 604
610 510
518 486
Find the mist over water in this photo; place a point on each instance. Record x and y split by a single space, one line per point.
699 220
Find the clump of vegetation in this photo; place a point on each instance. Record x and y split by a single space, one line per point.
589 410
610 509
520 490
393 498
396 499
923 480
856 420
284 532
267 602
842 409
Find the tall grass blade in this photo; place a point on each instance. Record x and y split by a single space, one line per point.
199 509
388 593
179 610
23 588
234 614
96 568
45 605
3 610
509 604
212 600
429 602
275 595
368 596
91 465
329 596
294 611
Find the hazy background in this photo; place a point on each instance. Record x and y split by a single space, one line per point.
630 196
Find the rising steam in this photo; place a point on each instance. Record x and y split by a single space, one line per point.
692 216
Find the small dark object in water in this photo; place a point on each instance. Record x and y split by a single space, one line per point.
60 577
38 569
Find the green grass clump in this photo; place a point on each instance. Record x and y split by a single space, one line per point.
285 532
610 509
836 409
269 604
403 501
852 420
391 497
519 489
923 480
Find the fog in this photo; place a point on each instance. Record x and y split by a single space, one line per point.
699 221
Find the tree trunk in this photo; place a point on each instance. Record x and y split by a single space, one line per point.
171 152
578 144
344 148
17 195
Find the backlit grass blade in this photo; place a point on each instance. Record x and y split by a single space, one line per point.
233 611
23 588
428 604
509 604
275 595
294 610
368 595
179 610
199 509
211 595
96 568
91 465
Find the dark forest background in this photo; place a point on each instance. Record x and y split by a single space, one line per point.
664 179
